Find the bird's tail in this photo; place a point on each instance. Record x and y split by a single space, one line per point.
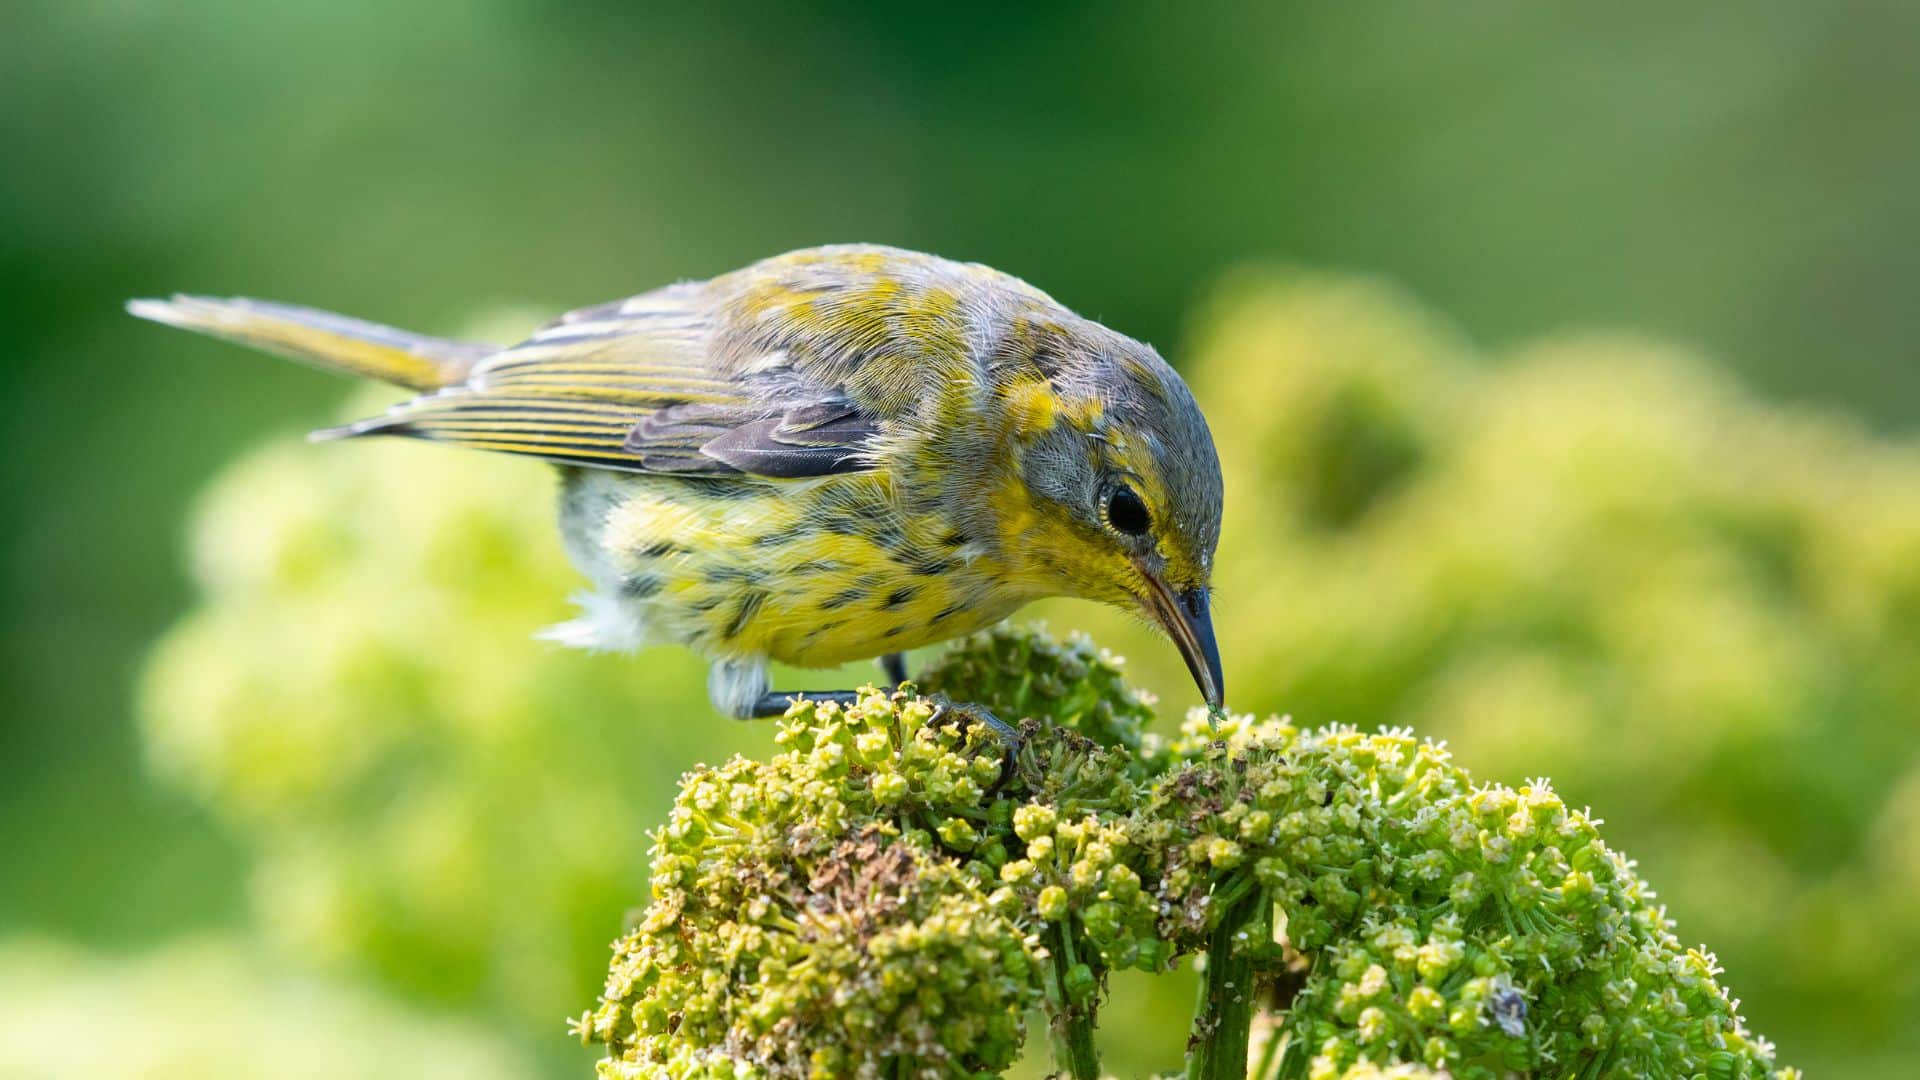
321 338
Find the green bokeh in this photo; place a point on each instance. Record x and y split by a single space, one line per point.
1744 179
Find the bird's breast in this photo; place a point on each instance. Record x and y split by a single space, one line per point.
813 573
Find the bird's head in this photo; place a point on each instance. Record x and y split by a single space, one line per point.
1115 486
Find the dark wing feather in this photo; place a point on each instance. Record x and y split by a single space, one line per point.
828 423
670 440
631 386
778 447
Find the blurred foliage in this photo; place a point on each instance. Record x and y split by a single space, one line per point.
431 798
213 1008
1595 560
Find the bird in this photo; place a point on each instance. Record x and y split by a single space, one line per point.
835 454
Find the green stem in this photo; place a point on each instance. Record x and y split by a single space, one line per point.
1073 1050
1223 1017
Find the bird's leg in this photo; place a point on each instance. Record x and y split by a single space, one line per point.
894 666
774 703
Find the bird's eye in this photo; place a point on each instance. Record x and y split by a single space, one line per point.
1126 513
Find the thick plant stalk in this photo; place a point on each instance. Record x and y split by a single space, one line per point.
1223 1016
1073 1050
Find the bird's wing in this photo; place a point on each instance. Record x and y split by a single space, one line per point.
645 385
831 436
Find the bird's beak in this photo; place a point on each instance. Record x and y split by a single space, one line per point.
1186 618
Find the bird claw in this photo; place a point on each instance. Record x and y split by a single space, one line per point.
1009 737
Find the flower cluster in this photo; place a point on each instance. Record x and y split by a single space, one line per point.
1061 848
1477 929
427 797
1072 684
1078 874
881 894
816 915
899 884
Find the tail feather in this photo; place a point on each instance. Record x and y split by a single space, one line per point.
330 341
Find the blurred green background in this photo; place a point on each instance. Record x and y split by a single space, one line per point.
1693 615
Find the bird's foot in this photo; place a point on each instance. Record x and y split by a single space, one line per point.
1008 736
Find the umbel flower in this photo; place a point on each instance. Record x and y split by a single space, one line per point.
874 900
806 916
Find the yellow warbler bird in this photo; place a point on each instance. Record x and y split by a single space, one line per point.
834 454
